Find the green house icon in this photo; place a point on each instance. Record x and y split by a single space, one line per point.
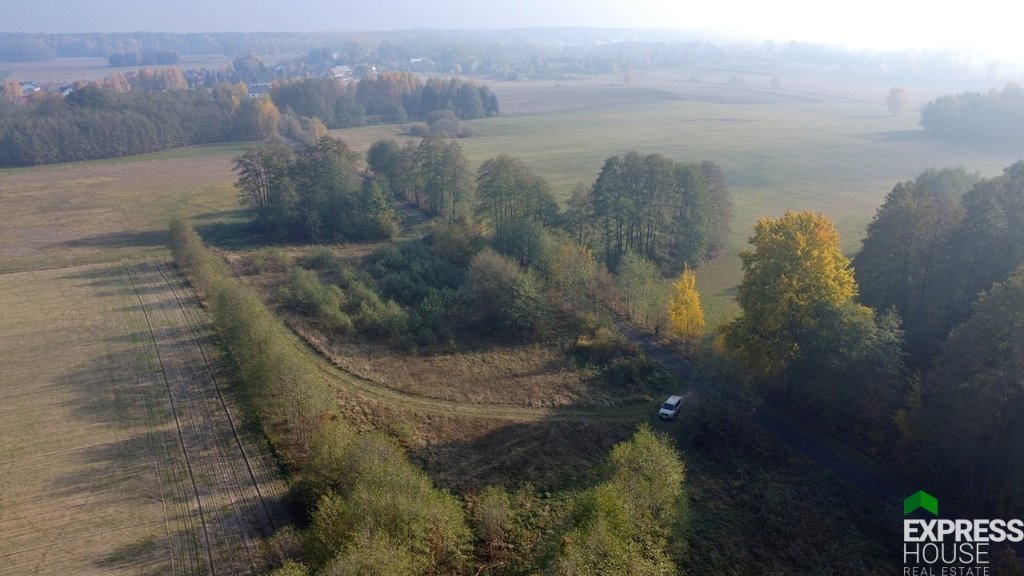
921 499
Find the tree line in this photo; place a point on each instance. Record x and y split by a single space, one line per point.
946 252
386 96
996 116
316 195
144 58
154 110
670 213
94 123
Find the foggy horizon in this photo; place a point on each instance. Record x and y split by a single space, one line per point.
871 25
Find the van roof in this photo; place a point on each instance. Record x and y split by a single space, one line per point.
673 399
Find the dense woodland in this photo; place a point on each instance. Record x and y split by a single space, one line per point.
913 351
388 96
96 123
145 58
945 252
996 117
154 110
316 195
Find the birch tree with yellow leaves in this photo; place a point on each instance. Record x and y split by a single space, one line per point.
685 314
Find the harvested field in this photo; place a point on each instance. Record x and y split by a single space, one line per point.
120 451
109 210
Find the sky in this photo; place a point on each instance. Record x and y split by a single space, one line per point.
988 27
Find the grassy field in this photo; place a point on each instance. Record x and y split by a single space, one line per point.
119 452
107 210
821 142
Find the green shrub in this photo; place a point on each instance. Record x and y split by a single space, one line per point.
267 260
502 299
307 295
623 526
600 345
290 568
492 518
454 242
382 493
373 554
321 258
432 323
410 272
385 320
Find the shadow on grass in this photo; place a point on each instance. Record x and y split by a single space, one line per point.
138 239
235 234
550 454
140 478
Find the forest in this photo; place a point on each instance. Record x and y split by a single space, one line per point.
995 117
909 351
155 110
96 123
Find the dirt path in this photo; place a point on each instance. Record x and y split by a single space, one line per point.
338 376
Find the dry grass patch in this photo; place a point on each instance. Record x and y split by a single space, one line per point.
120 452
107 210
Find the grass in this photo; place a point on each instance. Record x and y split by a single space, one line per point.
107 407
108 210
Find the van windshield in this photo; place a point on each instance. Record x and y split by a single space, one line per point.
668 406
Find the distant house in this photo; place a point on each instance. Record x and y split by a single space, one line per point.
259 90
30 88
342 72
65 90
422 65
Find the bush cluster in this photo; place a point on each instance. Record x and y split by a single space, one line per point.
366 501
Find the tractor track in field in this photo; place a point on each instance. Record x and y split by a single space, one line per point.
220 510
250 469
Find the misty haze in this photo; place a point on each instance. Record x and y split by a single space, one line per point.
548 288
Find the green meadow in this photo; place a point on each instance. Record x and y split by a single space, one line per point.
822 141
